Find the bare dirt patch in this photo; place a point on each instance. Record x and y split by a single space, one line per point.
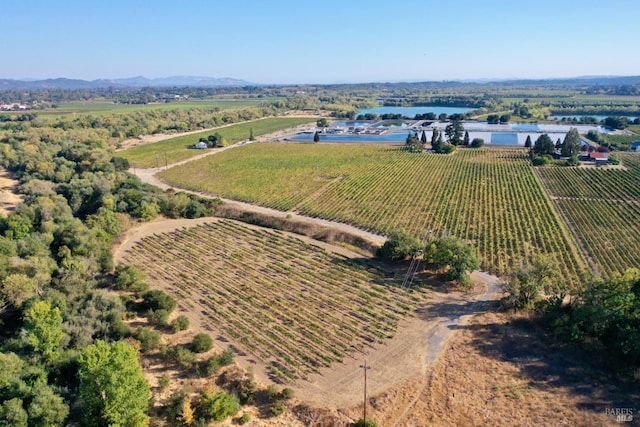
9 198
503 371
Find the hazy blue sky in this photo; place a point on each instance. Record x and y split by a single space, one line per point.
287 41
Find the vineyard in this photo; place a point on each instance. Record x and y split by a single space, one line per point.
294 306
603 206
180 148
490 197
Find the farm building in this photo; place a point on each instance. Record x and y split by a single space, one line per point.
601 159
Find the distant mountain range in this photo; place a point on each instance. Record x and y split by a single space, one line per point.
193 81
132 82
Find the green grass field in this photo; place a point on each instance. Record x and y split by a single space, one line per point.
176 149
490 197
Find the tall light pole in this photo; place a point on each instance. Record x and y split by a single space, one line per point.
364 410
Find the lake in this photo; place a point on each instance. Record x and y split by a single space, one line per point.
412 111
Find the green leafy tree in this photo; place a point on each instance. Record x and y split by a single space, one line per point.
571 144
316 137
423 138
322 123
43 327
157 300
465 140
398 246
112 387
46 407
434 137
458 256
530 281
616 122
16 288
13 414
413 143
130 278
527 142
544 145
218 407
493 119
454 131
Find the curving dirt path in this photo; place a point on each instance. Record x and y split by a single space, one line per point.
407 358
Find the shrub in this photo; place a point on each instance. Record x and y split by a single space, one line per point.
130 278
149 339
218 407
157 300
181 323
202 343
226 357
477 142
244 419
277 408
247 391
212 366
158 317
183 356
164 381
287 393
368 423
272 393
447 149
541 160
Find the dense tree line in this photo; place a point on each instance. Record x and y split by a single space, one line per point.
601 316
58 320
113 128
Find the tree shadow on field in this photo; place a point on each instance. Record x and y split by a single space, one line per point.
549 364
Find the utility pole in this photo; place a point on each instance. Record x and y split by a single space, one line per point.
366 368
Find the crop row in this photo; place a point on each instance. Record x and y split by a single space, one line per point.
490 198
293 305
603 206
609 230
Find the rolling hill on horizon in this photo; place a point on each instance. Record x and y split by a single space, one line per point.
132 82
62 83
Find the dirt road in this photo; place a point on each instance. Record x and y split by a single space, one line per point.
406 358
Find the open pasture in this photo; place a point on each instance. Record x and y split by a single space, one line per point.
603 206
490 197
179 148
293 306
